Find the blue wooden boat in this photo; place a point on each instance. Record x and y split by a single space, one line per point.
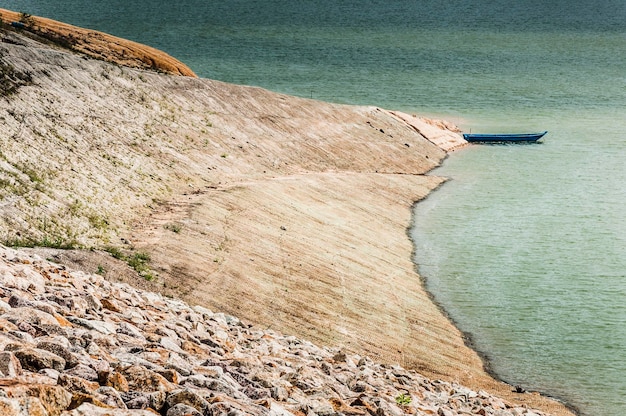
503 138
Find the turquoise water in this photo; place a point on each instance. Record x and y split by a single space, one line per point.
525 245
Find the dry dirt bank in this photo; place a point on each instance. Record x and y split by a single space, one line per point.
286 212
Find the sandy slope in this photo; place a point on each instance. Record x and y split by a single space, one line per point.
286 212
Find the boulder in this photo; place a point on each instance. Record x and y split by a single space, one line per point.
34 359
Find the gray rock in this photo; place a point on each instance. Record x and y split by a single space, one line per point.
34 359
84 372
131 330
128 359
30 316
10 407
64 302
142 379
135 400
212 371
359 387
24 336
171 344
255 393
59 350
226 409
157 399
176 362
170 375
220 386
189 398
51 374
60 339
23 278
166 332
197 380
111 397
93 303
106 328
181 409
4 307
206 313
44 307
19 302
279 394
28 328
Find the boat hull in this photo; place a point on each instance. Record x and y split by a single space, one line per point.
503 138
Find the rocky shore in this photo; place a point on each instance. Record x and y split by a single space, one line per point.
75 344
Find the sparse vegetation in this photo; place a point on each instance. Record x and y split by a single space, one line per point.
138 261
46 241
115 252
403 399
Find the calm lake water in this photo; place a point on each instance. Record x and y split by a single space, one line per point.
525 246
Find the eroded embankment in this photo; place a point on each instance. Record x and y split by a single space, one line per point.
286 212
95 44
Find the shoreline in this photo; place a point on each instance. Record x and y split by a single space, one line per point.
286 212
468 337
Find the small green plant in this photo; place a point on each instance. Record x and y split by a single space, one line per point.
101 270
138 261
403 399
115 252
224 155
141 257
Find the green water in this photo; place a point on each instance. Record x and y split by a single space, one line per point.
525 245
